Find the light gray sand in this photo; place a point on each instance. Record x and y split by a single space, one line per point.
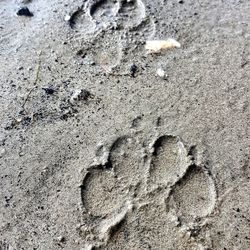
97 151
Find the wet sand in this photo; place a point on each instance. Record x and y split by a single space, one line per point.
106 146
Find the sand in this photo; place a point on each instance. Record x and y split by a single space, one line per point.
98 150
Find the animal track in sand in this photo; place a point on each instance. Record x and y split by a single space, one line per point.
140 187
122 26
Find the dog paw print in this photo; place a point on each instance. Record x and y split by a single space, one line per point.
137 194
113 32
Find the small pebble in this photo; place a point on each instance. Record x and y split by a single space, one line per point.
79 95
24 11
49 91
133 70
61 239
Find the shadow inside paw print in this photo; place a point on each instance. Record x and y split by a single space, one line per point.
162 191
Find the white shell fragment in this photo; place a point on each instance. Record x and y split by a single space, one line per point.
156 46
67 18
161 73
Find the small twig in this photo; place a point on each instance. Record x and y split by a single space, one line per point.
35 82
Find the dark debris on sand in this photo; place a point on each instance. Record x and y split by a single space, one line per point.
24 11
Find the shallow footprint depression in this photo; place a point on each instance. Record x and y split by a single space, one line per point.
131 13
101 194
104 11
169 160
194 195
125 158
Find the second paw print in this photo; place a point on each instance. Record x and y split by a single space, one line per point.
112 32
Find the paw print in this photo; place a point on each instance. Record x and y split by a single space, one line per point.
112 31
139 193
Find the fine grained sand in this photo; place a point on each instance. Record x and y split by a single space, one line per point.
99 151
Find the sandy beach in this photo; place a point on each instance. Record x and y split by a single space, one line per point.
124 124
